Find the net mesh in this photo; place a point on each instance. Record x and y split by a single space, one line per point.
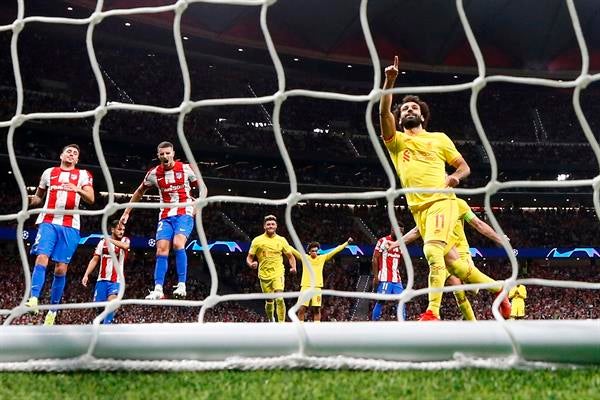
299 358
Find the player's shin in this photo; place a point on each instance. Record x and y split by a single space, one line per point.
181 264
58 287
280 305
269 310
465 305
160 270
376 314
37 280
437 274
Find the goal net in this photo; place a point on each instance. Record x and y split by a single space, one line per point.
362 345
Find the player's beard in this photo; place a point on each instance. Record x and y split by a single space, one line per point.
409 123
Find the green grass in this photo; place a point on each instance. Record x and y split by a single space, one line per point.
306 384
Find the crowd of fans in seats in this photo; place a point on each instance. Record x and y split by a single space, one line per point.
334 223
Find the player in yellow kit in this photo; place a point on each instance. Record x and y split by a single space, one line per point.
420 159
317 262
517 294
461 250
268 249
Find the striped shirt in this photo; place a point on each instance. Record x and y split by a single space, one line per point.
389 262
174 186
108 272
57 198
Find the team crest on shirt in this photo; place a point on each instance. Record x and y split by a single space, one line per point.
178 175
73 176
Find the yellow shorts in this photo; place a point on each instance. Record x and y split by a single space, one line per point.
517 308
315 301
437 221
272 285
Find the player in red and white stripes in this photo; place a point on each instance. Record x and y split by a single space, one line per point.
58 233
174 180
107 286
385 265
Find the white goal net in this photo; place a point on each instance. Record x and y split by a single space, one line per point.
360 345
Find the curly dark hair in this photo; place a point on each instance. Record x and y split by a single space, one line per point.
422 105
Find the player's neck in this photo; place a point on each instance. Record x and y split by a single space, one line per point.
67 166
169 166
415 131
270 234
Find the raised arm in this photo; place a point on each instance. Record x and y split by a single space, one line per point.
408 237
137 196
120 244
386 118
339 248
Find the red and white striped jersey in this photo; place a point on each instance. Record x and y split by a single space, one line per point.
174 186
58 198
108 272
389 262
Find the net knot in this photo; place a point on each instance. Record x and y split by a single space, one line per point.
479 83
186 107
18 26
180 6
96 17
100 112
583 81
17 120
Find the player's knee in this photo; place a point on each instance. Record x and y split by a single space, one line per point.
434 253
60 269
42 260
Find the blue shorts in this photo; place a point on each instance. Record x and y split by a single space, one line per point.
175 225
56 241
390 288
104 289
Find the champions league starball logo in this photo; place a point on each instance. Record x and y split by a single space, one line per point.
576 252
151 242
231 246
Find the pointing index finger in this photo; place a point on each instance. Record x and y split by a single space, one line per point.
396 62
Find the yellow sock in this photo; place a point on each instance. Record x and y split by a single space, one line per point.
269 307
465 305
280 305
437 274
469 273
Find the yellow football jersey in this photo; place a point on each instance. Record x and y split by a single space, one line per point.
318 263
420 162
268 251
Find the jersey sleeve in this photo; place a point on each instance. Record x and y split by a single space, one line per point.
393 143
286 248
190 174
449 149
99 247
45 179
464 211
150 178
335 251
253 247
86 178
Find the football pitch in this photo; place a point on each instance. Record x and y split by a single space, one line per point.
581 383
